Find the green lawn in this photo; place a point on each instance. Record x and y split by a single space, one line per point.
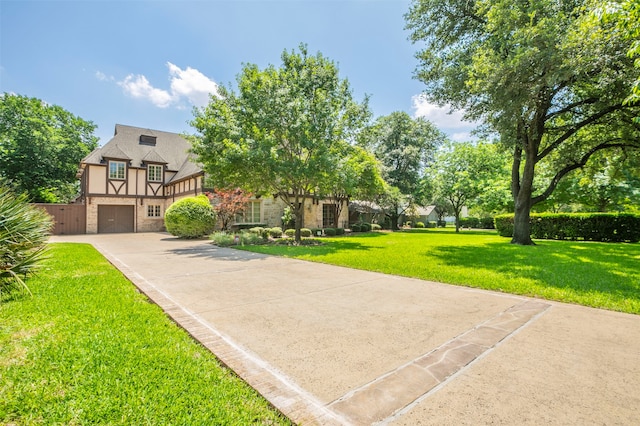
604 275
87 348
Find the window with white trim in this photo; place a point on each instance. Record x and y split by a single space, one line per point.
116 169
251 213
154 211
154 173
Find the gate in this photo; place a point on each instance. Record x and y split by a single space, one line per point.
68 219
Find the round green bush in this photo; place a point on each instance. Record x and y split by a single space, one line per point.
275 232
290 233
305 232
419 225
258 230
339 231
329 232
375 227
365 227
355 228
190 217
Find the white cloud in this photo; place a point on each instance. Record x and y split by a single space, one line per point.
452 123
188 84
103 77
191 84
138 86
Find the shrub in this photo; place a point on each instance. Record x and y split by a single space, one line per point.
24 230
339 231
190 217
504 225
275 232
419 225
375 227
258 230
431 224
329 232
355 228
227 239
486 222
305 232
572 226
469 222
441 224
316 232
290 233
365 227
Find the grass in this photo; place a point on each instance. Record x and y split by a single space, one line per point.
87 348
602 275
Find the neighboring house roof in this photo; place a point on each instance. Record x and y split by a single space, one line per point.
364 207
141 146
425 211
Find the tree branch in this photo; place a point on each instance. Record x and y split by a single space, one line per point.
549 149
569 107
578 164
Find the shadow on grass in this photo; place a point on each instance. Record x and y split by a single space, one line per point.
582 267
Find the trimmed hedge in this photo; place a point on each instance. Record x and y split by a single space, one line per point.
419 224
355 228
316 232
608 227
477 222
330 232
375 227
304 232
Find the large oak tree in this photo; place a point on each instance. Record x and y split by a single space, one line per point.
288 132
549 76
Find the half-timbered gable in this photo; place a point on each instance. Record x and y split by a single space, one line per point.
128 183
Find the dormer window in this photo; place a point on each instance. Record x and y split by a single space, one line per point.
116 169
154 173
147 140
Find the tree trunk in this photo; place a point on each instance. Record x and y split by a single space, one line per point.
394 221
522 189
299 212
522 225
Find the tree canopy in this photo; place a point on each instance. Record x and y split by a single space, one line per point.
41 146
287 132
405 146
549 77
463 173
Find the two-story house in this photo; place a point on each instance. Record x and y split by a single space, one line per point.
128 183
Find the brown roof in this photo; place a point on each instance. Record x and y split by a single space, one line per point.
170 149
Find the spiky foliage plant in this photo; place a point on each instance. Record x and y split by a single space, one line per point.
24 230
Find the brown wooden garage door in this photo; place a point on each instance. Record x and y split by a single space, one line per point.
113 219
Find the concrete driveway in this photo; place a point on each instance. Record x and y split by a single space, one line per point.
332 345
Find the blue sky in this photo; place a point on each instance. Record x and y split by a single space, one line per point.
148 63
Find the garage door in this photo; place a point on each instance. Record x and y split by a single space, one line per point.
113 219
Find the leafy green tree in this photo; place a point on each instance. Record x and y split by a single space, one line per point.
548 77
461 173
356 176
24 230
41 146
607 183
405 146
286 132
